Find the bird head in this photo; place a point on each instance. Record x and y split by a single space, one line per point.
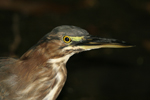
68 40
46 60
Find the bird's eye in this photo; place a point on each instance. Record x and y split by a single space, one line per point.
67 39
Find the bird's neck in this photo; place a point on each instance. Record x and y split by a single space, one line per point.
49 74
58 66
40 58
46 83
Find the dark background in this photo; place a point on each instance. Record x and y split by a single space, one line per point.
104 74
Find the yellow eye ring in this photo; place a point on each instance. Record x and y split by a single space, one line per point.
67 39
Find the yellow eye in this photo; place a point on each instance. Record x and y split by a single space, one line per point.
67 39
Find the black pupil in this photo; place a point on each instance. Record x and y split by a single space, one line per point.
66 39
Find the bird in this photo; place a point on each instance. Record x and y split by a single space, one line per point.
40 73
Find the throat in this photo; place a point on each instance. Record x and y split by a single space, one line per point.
56 86
63 59
58 67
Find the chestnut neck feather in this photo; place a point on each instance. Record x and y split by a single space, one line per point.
33 66
37 57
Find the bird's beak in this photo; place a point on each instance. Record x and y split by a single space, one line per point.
91 42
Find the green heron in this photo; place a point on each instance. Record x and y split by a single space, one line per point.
40 73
